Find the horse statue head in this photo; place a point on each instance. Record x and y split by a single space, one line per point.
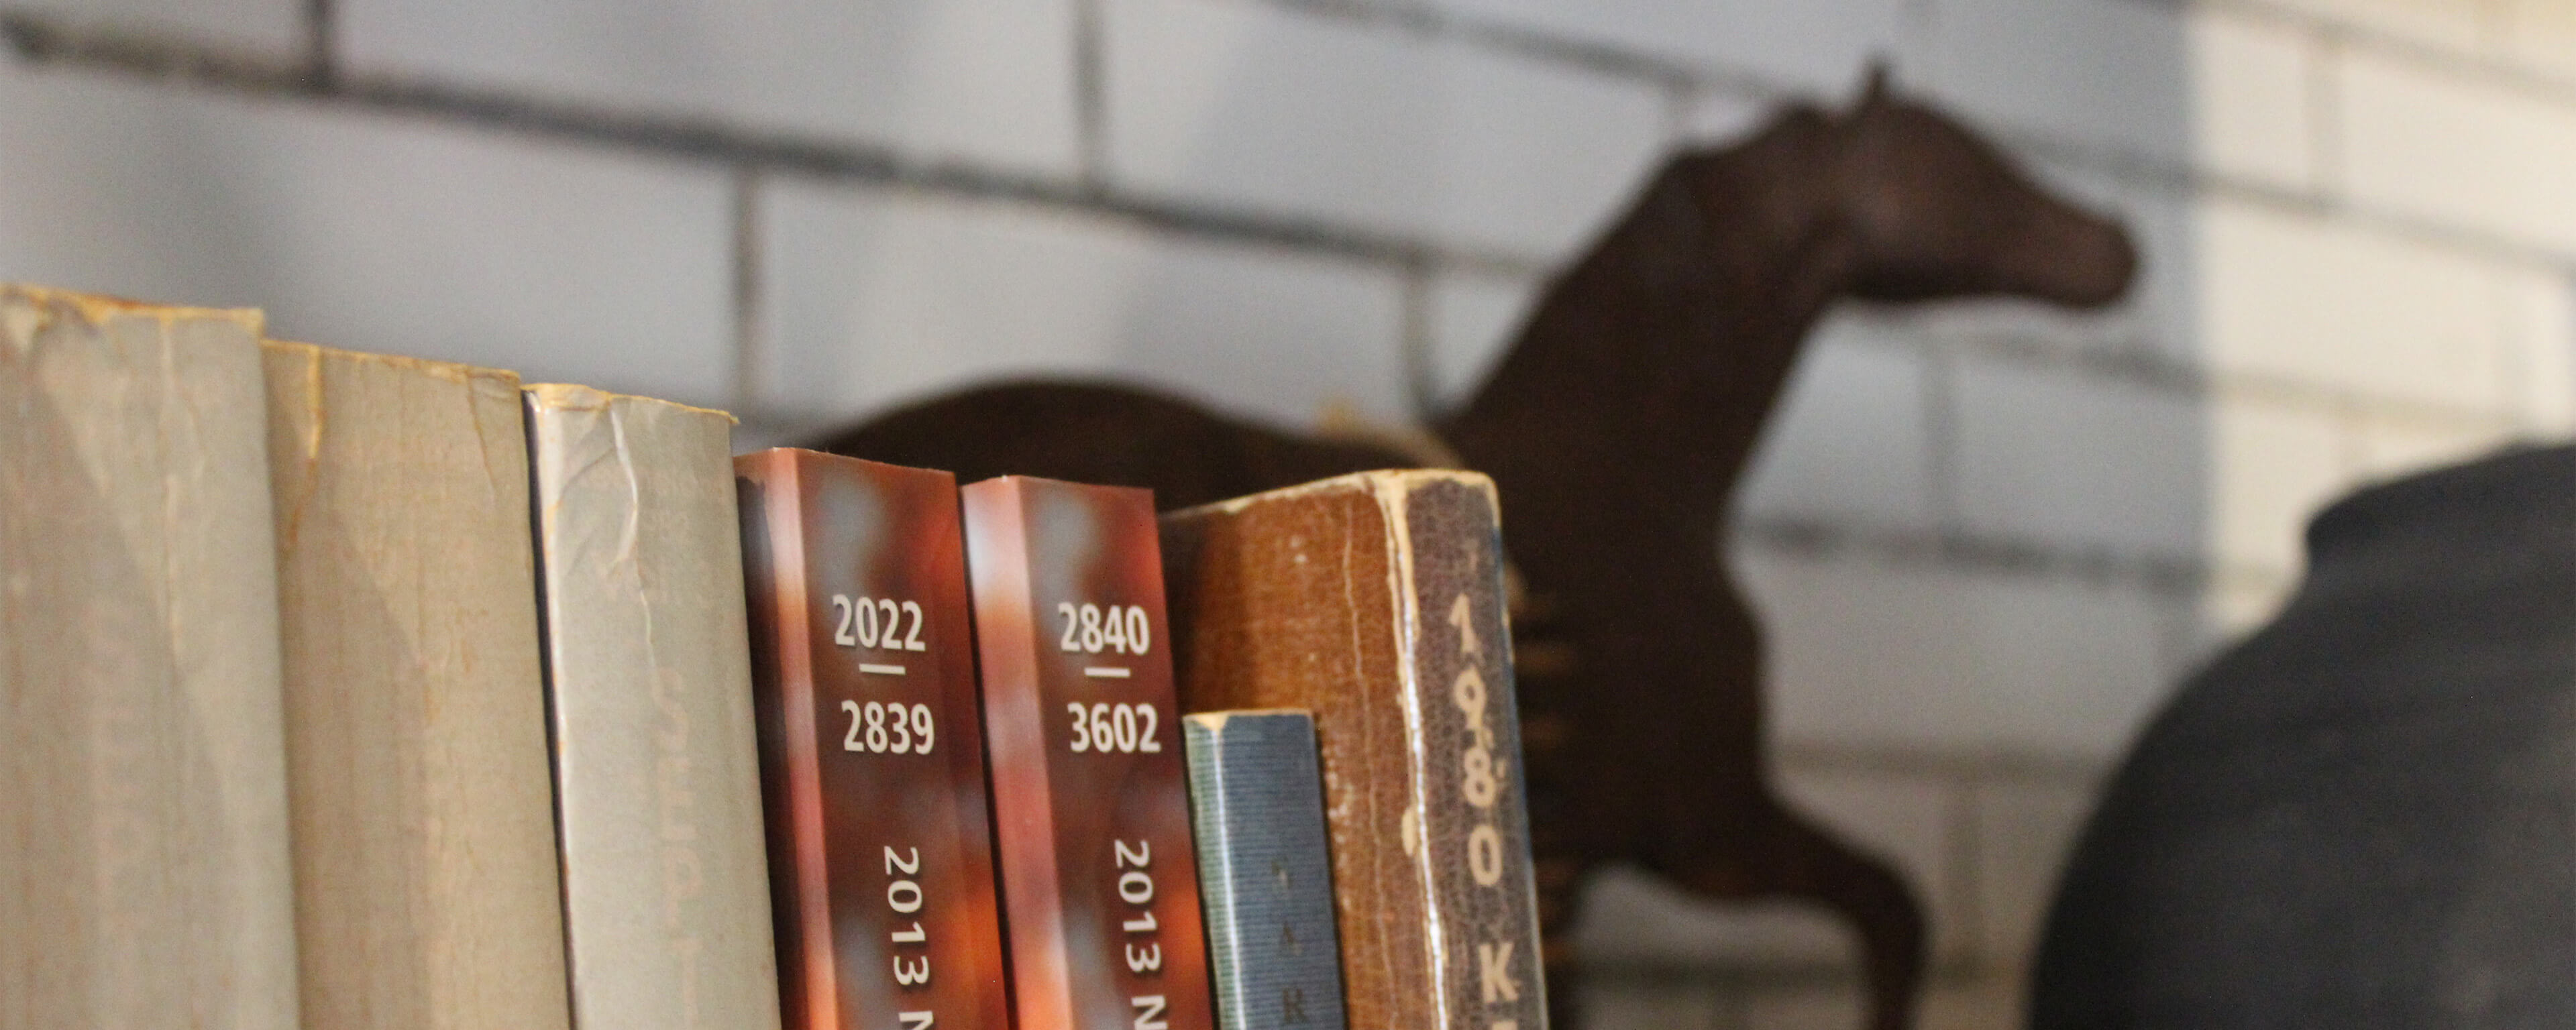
1680 325
1933 211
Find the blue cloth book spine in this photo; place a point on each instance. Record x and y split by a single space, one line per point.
1257 805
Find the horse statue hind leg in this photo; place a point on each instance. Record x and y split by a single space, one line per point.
1675 785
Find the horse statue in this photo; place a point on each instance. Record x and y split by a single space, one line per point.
1617 428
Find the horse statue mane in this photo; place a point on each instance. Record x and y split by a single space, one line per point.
1617 428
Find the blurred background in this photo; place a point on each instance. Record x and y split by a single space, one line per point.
1986 539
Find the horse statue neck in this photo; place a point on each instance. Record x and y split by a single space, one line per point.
1659 355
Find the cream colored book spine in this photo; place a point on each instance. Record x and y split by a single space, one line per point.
657 772
143 836
427 896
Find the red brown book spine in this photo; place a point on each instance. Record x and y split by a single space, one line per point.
1091 809
872 763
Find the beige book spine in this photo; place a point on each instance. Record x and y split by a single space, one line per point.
657 772
422 805
143 841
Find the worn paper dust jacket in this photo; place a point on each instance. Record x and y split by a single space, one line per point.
648 680
418 784
143 841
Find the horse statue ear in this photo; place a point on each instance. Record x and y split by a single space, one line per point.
1874 89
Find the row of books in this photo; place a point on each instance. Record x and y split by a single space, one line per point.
349 690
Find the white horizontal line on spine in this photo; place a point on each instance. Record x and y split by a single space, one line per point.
1105 672
881 670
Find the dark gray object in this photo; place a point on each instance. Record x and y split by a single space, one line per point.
1266 880
2365 815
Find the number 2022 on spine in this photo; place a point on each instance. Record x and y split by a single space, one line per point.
872 760
1091 810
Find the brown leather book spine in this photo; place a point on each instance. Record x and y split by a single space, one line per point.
1376 601
872 759
1091 808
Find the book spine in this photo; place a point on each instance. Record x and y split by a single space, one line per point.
1376 601
872 760
427 883
1257 803
657 779
144 869
1091 812
1475 821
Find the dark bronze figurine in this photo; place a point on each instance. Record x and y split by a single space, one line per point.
1617 428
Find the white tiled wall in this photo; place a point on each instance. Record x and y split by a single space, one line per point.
2075 461
2455 151
1932 660
1986 538
2100 75
1914 820
2321 301
988 81
1811 46
2540 35
2540 306
2273 461
1851 440
2253 83
1473 317
2450 24
374 233
1431 138
274 27
2022 831
878 297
